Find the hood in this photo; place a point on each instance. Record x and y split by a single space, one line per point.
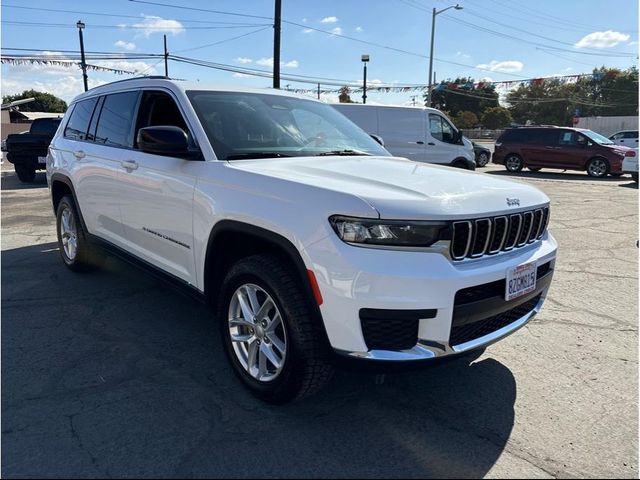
402 189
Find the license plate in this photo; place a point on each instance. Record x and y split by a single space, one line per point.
42 160
520 281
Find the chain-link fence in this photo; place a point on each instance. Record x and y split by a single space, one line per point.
481 133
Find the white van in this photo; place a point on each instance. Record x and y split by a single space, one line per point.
417 133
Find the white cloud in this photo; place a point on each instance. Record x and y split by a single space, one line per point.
268 62
137 67
462 55
240 75
606 39
507 66
243 60
125 45
304 20
64 87
329 20
336 31
307 30
359 29
152 24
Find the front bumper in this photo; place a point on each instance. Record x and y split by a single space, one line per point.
354 278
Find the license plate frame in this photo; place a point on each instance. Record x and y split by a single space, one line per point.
520 281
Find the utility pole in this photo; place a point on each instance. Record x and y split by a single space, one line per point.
365 59
433 32
318 91
166 58
83 63
277 25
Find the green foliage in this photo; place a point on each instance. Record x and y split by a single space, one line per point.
345 96
44 102
553 102
461 100
466 120
496 117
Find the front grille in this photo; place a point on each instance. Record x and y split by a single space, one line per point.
389 333
493 289
472 331
488 236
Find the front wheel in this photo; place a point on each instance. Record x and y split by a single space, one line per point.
483 159
513 163
25 174
597 168
270 334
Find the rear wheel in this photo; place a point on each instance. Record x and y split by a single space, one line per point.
483 159
597 167
25 174
513 162
270 335
76 252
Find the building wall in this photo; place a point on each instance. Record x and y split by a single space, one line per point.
9 128
608 125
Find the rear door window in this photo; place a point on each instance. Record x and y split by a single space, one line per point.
115 122
76 128
631 134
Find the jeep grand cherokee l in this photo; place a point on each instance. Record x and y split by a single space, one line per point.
309 240
559 147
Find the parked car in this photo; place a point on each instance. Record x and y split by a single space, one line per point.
417 133
559 147
28 151
630 165
482 154
309 241
627 138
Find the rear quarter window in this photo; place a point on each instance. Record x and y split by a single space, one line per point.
76 128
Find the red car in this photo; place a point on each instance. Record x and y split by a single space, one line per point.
560 147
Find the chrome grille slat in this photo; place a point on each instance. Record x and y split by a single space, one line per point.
488 236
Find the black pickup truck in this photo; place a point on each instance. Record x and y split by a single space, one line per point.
27 151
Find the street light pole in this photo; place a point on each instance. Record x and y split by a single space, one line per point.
277 26
83 63
433 32
365 59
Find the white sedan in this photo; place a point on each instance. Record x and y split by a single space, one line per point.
630 165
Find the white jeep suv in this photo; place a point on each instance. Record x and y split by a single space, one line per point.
309 240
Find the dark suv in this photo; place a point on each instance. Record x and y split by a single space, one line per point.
560 147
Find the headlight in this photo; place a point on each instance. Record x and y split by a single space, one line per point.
388 232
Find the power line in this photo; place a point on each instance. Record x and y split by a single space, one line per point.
223 41
184 7
133 27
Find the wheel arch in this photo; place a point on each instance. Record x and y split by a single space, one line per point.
62 185
596 156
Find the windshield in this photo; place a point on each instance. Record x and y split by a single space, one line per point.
596 137
253 125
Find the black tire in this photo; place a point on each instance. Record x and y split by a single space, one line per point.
86 258
306 368
598 167
463 164
535 169
513 162
635 177
482 160
25 174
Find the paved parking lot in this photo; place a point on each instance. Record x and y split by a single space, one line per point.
113 374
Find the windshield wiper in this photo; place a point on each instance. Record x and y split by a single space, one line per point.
343 152
248 155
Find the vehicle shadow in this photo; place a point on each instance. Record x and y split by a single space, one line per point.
113 373
629 185
555 175
9 181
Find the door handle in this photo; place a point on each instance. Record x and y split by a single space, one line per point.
420 142
130 164
79 154
432 144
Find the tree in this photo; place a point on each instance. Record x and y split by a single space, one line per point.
466 120
344 96
473 99
608 92
44 102
496 117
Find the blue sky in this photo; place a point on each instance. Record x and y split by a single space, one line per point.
590 32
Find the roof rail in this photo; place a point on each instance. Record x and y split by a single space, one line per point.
147 77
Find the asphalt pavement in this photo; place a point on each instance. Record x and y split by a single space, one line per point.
113 374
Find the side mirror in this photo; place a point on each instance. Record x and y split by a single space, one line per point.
377 138
169 141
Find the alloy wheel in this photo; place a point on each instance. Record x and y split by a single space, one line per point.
69 234
513 163
597 168
257 332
